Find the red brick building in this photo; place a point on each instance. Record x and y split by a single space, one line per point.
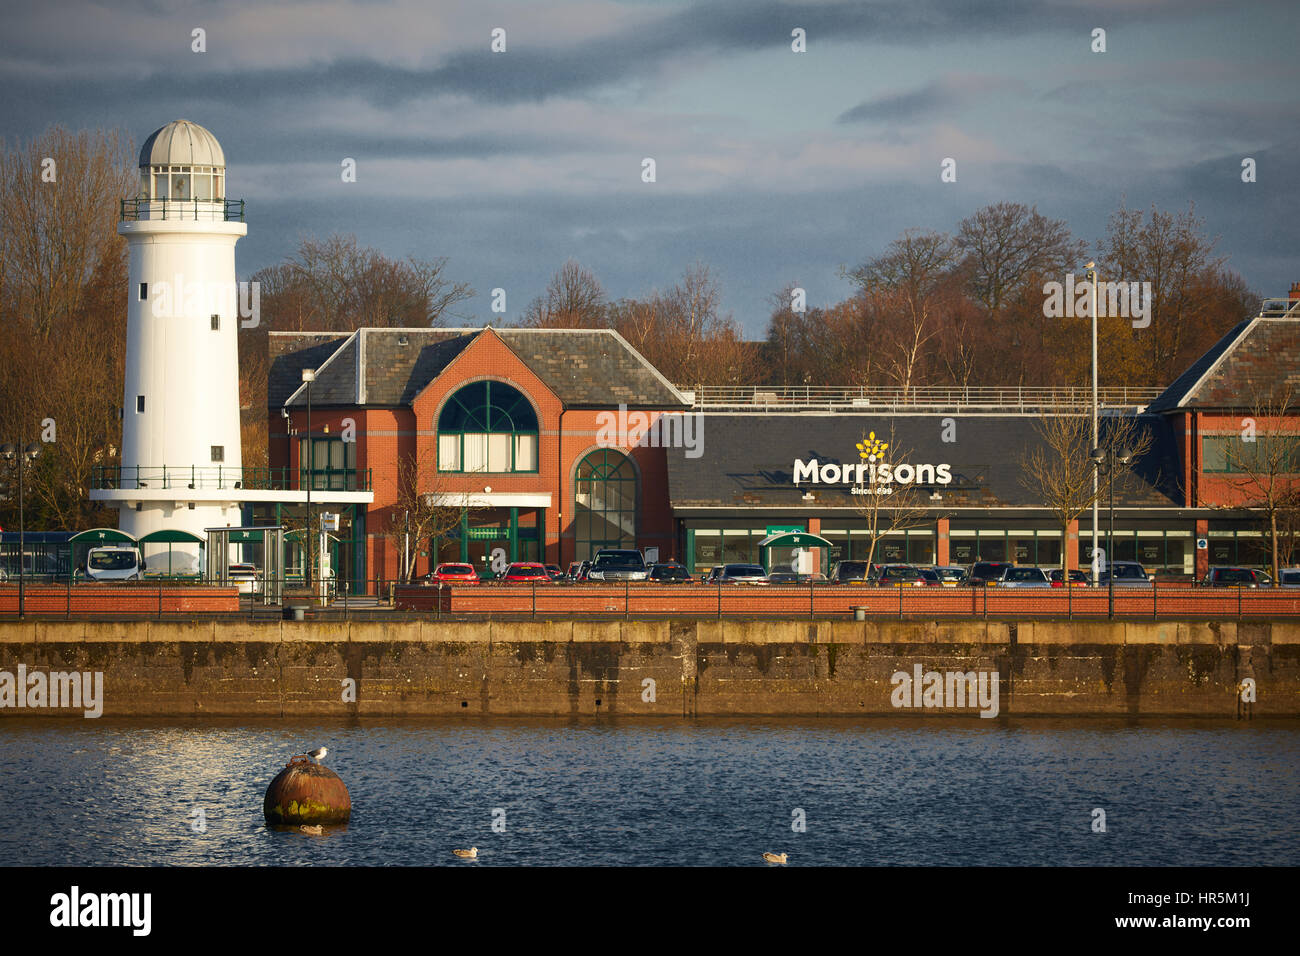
539 434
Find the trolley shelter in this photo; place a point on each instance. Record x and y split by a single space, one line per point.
270 576
794 550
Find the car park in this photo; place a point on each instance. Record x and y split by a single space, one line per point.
982 573
1023 576
618 564
1236 577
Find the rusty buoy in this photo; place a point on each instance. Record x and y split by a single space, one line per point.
306 793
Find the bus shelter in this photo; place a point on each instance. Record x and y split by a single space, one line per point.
170 537
800 551
270 569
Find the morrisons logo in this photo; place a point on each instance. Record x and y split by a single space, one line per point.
872 471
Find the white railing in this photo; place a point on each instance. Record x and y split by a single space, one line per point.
789 397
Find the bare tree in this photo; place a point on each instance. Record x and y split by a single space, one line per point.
1008 242
1264 463
883 504
1058 469
574 299
424 510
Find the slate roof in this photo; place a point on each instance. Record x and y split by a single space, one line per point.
748 460
1254 363
585 368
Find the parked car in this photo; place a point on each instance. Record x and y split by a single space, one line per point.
932 579
246 578
554 571
1077 578
669 572
897 575
525 572
1128 574
1023 576
1234 577
618 564
574 569
1288 578
949 576
848 572
783 577
450 573
114 563
741 574
980 573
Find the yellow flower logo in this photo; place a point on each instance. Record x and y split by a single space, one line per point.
873 449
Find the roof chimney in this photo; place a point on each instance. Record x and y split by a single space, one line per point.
1295 291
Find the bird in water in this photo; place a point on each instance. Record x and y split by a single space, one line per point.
313 831
470 854
774 858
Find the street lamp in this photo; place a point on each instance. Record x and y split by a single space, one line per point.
309 376
1105 458
14 457
1092 274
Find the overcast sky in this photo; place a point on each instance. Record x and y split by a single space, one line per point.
772 166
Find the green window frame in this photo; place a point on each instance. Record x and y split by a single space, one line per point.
604 505
488 427
1224 454
332 465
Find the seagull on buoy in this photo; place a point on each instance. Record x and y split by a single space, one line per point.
318 753
774 858
313 831
470 854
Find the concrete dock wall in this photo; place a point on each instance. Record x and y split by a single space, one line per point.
656 668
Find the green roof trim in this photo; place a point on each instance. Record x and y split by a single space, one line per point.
102 536
171 536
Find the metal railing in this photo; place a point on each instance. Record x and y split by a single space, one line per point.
217 477
889 398
201 210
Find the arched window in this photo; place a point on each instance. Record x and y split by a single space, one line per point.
604 503
487 426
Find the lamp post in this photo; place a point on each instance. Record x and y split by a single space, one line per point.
309 376
20 458
1092 274
1107 459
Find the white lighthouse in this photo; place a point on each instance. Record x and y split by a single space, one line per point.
181 461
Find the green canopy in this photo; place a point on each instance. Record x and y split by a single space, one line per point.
171 536
102 536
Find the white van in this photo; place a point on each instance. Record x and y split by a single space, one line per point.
114 563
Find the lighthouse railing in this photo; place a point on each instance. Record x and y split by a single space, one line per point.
199 210
220 477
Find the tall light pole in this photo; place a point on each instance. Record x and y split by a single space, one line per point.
23 456
309 376
1107 459
1092 274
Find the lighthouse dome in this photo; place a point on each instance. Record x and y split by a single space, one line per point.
181 143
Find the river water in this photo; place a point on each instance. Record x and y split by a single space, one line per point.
708 792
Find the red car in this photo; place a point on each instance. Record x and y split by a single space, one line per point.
526 572
452 574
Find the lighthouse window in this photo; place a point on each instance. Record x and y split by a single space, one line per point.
139 403
218 452
216 323
144 291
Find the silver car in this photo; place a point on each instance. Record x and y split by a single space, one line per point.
1021 576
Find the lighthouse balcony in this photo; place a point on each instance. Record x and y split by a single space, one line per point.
195 483
192 210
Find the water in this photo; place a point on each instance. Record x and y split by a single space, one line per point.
718 792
